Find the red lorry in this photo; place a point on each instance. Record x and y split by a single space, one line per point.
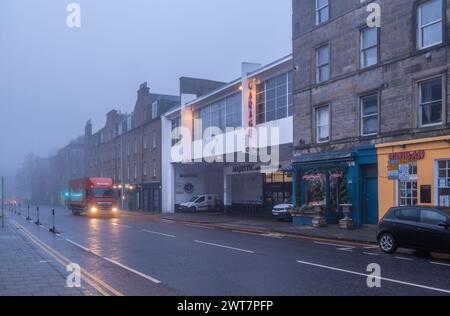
92 196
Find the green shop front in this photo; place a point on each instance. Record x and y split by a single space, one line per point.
336 178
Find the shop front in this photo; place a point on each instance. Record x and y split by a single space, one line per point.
337 178
249 191
151 197
415 172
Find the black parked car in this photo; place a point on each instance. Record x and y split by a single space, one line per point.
415 227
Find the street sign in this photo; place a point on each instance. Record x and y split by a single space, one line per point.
393 166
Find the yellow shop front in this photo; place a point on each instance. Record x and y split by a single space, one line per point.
414 172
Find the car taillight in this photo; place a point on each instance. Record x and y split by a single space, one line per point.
380 221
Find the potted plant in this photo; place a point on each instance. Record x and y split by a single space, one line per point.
347 221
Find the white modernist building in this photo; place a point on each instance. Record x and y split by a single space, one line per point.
235 142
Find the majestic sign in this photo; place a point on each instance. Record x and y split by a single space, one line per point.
246 168
408 156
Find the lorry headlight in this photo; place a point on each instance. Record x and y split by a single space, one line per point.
114 209
93 209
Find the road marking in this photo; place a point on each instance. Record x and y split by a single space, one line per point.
404 258
158 233
371 253
348 249
78 245
440 264
371 247
145 276
274 235
245 233
334 245
223 246
199 226
116 224
375 277
96 283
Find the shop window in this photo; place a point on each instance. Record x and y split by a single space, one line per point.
430 107
444 183
408 190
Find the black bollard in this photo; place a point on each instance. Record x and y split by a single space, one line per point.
28 217
53 229
38 222
20 213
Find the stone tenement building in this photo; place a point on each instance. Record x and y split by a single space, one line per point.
128 150
363 93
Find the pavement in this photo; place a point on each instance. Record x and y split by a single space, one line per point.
26 271
365 234
138 254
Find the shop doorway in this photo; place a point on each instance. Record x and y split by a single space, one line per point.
370 194
151 200
277 189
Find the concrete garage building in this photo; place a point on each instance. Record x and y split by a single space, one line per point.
260 100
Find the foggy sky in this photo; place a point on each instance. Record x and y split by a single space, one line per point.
53 79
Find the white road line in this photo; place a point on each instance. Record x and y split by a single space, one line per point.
116 224
157 233
78 245
145 276
223 246
371 253
440 264
334 245
245 233
371 247
348 249
276 236
371 276
404 258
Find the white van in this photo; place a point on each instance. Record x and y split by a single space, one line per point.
202 203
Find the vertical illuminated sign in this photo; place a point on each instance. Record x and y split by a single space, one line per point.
250 105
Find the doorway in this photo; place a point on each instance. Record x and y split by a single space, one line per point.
370 194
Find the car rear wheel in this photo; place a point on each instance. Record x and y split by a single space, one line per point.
387 243
192 210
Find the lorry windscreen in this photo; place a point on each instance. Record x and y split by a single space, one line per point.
101 193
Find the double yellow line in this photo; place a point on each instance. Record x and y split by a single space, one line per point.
99 285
